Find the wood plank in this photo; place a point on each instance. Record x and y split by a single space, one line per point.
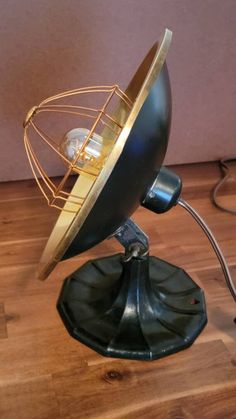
32 399
212 404
21 252
37 354
112 388
3 323
25 219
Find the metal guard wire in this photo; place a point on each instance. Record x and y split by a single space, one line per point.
55 195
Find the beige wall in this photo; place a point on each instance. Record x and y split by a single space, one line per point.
53 45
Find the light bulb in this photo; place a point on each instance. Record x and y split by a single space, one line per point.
72 143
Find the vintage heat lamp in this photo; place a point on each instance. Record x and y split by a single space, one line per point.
129 305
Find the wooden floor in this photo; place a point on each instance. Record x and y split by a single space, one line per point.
44 373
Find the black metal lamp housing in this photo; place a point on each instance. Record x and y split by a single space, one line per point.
139 307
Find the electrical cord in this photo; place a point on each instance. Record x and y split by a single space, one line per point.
226 175
215 246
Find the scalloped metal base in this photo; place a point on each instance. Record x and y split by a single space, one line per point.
142 309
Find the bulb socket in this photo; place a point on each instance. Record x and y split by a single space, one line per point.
164 193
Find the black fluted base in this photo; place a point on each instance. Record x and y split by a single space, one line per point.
142 309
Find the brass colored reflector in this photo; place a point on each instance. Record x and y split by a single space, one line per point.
106 128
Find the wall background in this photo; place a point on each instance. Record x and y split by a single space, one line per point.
52 45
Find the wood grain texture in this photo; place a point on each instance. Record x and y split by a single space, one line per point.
3 323
44 373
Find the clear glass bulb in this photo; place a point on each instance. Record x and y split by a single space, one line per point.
72 143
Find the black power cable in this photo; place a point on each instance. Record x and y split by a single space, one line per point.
226 174
216 248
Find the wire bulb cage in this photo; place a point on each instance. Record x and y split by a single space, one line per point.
81 151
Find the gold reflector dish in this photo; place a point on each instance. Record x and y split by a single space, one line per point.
98 124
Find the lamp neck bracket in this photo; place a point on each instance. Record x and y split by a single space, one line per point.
133 239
